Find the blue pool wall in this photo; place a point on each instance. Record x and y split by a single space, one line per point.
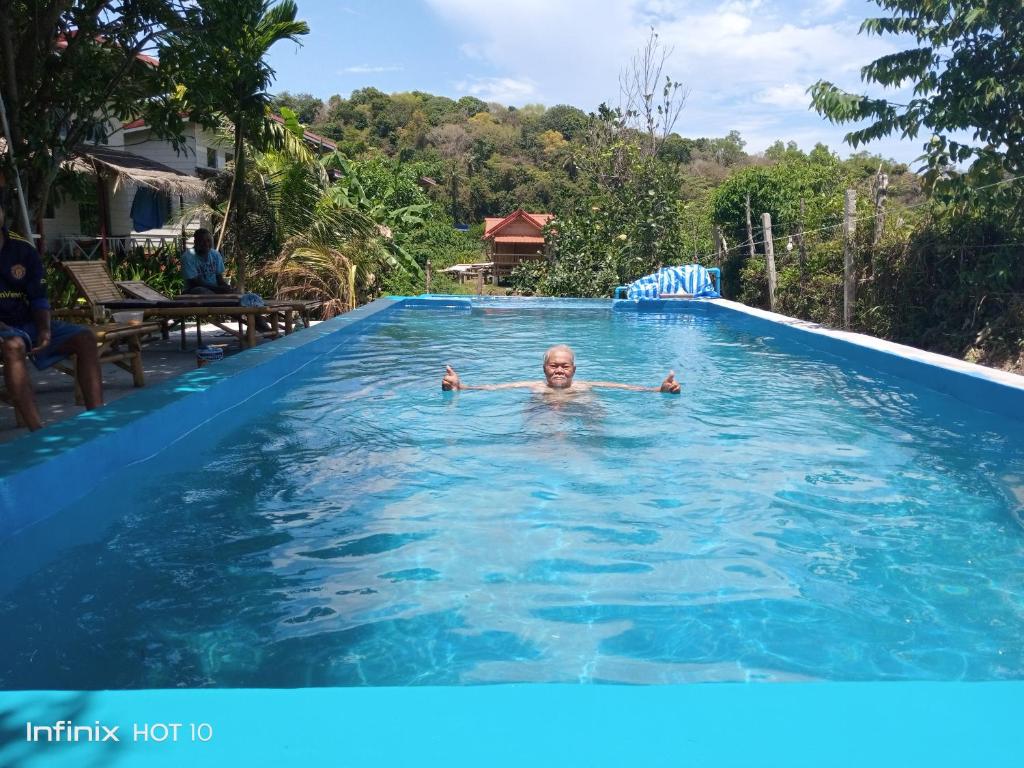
47 471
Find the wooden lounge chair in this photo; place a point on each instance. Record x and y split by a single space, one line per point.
102 294
139 289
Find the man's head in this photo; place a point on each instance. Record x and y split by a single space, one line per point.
559 366
202 241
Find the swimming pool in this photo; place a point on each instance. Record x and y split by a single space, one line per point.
792 516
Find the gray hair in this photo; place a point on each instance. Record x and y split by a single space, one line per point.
560 348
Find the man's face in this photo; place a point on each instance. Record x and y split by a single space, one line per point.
203 244
559 369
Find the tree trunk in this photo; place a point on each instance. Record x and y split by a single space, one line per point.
232 208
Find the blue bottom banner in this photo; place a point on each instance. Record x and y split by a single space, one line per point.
796 724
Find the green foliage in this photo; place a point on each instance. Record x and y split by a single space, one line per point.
470 105
160 268
817 181
955 286
966 77
528 278
305 106
627 226
69 68
568 121
222 61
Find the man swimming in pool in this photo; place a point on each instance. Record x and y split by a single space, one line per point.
559 369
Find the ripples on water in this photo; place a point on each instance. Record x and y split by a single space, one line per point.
785 519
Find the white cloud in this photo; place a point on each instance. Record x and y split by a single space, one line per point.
505 90
740 59
362 69
828 7
788 96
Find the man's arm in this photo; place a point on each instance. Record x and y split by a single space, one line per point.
41 317
451 381
222 285
669 385
35 292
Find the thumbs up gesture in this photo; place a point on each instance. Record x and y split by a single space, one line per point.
669 385
451 379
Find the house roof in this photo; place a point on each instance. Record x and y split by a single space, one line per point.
493 225
311 138
519 239
136 169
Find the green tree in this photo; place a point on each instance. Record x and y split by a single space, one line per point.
306 106
226 71
624 225
966 75
798 190
568 121
68 69
471 105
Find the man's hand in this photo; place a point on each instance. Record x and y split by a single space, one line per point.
450 380
670 384
42 339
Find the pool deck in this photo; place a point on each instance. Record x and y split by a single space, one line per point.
161 360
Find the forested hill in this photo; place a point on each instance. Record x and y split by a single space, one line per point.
489 159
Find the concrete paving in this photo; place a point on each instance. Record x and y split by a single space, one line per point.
162 360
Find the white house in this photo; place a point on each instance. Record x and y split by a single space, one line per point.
142 186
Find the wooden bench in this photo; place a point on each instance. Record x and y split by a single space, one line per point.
119 344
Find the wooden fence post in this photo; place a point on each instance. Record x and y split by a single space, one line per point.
769 257
849 269
480 282
428 275
719 240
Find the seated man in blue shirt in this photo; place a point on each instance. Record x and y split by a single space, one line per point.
203 267
26 330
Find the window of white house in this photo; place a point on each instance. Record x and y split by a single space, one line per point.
211 157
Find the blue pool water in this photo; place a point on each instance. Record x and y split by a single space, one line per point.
789 517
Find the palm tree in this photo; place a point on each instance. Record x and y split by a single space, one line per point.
224 56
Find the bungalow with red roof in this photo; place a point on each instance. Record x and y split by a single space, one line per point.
514 239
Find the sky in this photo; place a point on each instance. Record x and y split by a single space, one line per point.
746 63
